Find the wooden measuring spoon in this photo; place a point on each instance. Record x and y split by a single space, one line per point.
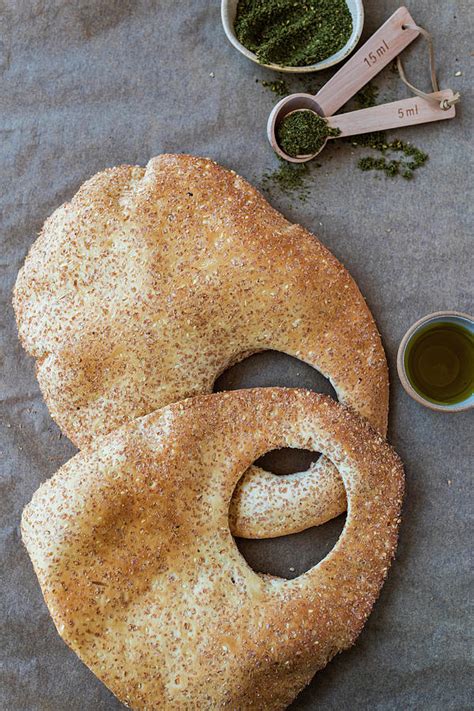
397 114
384 45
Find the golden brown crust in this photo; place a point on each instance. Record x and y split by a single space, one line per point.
150 282
148 587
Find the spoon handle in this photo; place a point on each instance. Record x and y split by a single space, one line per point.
397 114
384 45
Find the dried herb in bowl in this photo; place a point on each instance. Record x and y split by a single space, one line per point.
303 133
293 33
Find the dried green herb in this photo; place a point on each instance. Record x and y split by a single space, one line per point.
397 157
367 96
303 133
292 33
278 87
393 167
290 178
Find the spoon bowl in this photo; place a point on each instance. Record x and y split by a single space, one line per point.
290 105
229 11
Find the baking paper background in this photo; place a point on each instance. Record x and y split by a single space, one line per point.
95 83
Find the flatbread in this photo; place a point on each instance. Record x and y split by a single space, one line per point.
152 281
149 588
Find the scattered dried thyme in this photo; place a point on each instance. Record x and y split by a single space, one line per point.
290 178
278 87
391 166
303 133
290 33
397 157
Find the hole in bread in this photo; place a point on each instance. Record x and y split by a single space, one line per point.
287 460
290 556
272 368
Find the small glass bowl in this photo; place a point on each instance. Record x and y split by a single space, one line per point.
456 317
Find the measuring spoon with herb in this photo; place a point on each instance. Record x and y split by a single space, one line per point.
382 48
303 133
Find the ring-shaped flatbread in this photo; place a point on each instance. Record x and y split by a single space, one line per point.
131 543
152 281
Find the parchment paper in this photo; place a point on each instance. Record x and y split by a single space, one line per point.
95 83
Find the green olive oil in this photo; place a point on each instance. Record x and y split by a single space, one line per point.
439 362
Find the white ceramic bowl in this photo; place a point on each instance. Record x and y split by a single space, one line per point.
228 12
454 316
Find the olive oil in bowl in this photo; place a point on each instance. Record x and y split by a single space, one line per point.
436 361
439 362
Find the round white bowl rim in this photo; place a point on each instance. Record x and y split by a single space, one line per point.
435 316
357 11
